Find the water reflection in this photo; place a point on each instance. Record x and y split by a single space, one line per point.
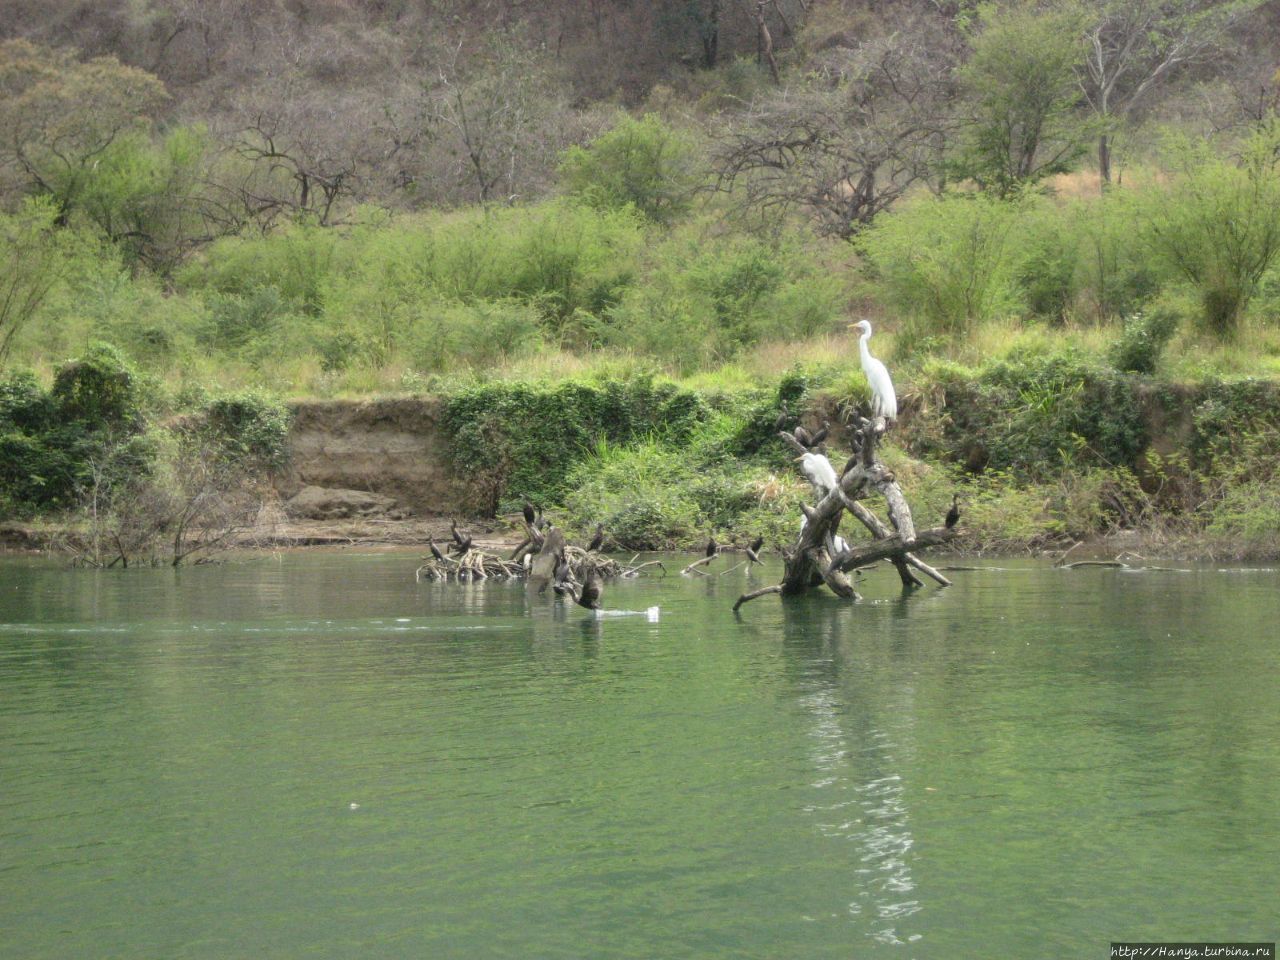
858 791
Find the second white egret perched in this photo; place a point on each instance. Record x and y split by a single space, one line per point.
884 402
820 473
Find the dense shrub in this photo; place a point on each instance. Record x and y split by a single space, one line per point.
519 440
758 433
1035 416
642 163
100 391
704 298
53 444
1143 339
247 428
947 262
654 494
1217 226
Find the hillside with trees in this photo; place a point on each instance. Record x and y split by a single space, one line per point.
1035 202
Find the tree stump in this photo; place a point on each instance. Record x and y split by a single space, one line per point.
814 560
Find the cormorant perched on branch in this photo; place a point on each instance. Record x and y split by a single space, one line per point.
598 540
529 515
953 515
462 541
712 547
435 551
753 551
821 434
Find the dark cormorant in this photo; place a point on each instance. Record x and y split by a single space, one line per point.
435 551
529 515
712 547
591 592
783 416
563 580
753 551
802 437
598 540
953 515
462 541
821 435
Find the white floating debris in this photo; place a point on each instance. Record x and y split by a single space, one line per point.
651 614
353 806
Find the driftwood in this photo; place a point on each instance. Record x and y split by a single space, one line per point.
534 559
814 560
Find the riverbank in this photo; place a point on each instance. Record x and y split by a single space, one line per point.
502 536
1045 449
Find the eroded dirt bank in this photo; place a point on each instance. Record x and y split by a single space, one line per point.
394 447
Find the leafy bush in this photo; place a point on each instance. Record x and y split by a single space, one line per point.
100 390
296 263
946 262
1143 339
24 404
642 163
1034 416
1048 271
706 298
248 428
655 495
1236 430
1114 274
55 443
519 440
1218 227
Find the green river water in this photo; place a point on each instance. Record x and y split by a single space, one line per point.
315 756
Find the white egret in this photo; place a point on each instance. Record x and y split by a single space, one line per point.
837 541
884 402
819 472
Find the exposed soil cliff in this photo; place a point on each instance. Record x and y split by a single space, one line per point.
393 447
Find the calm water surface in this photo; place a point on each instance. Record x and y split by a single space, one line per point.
318 757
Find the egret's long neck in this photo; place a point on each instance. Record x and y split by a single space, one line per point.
862 346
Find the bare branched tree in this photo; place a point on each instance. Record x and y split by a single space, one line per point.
849 139
496 121
1134 46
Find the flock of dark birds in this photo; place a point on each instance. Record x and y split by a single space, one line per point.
589 592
